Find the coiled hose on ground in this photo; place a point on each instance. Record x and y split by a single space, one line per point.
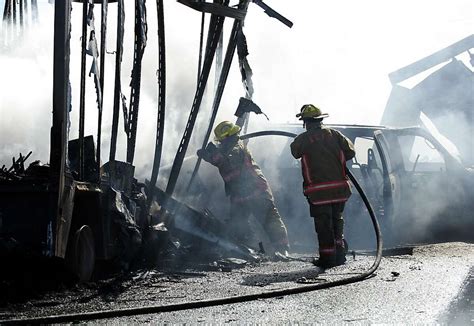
228 300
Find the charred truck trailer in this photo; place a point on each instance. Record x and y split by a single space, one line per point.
74 208
71 208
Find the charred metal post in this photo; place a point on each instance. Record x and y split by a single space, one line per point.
221 85
6 10
246 74
232 45
14 11
82 110
93 51
20 9
58 152
13 25
160 123
272 13
139 48
215 28
103 39
201 41
215 8
117 88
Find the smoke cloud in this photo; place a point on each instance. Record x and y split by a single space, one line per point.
336 59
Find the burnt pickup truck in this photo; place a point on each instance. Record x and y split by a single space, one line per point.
415 182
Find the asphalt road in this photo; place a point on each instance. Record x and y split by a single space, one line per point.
432 285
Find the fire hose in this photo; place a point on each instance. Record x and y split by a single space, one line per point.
226 300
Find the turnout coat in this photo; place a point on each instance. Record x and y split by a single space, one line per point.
243 178
323 152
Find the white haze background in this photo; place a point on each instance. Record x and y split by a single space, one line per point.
337 55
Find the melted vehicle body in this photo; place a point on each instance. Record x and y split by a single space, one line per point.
419 188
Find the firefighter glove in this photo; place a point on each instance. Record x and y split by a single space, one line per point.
211 148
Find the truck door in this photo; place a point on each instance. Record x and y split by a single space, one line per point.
418 176
391 188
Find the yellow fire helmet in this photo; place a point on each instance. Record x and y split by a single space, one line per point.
311 112
225 129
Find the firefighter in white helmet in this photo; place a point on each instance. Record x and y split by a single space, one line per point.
323 152
246 186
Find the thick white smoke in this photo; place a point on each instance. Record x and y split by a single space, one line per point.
337 56
26 89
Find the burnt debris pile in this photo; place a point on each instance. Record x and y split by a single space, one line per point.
17 170
112 230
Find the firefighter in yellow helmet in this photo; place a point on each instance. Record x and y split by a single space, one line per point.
323 152
246 186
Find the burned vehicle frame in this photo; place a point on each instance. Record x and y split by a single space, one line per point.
419 189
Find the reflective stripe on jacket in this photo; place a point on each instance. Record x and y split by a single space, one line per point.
323 153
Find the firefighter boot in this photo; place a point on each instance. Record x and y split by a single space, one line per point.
341 251
340 259
327 256
325 262
282 247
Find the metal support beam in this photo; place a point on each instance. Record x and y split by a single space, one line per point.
21 12
160 123
432 60
139 49
118 83
201 41
14 12
58 152
82 97
215 28
6 10
214 8
103 49
231 46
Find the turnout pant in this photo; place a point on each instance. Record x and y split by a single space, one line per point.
265 212
329 225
